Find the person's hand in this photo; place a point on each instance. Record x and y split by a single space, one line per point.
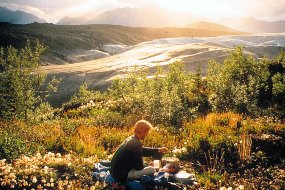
162 150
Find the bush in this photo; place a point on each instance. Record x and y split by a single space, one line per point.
21 87
235 84
11 146
167 99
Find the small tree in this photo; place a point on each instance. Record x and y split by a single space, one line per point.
162 99
20 80
236 84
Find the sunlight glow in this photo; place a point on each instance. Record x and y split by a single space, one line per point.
209 9
205 8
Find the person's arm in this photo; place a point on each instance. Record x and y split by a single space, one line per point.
147 151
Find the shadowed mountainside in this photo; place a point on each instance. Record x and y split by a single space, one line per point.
18 17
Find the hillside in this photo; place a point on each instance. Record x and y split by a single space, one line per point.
69 44
209 26
18 17
253 25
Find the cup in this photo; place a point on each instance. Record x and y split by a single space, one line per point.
156 164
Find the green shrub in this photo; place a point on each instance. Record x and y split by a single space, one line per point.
21 87
167 99
11 146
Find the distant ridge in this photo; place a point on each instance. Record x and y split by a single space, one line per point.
72 21
18 17
249 24
149 16
210 26
155 16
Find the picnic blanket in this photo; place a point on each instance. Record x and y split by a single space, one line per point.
161 179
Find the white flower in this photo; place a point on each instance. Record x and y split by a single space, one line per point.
241 187
34 180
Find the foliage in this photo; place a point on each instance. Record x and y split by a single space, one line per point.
20 82
82 97
167 99
236 84
11 145
245 85
211 141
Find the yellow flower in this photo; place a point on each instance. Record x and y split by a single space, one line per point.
12 176
25 183
43 180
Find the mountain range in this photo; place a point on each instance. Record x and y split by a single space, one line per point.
152 16
149 16
253 25
18 17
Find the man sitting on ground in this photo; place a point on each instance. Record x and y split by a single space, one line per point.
127 161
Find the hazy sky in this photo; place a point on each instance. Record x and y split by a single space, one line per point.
53 11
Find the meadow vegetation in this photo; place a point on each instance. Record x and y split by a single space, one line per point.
227 127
